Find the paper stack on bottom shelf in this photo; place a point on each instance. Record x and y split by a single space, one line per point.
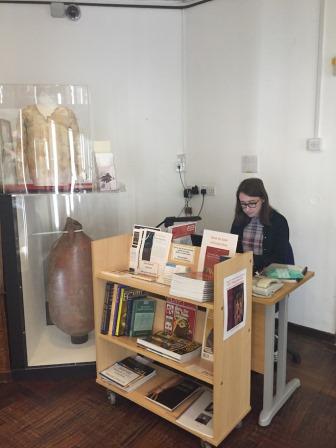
129 373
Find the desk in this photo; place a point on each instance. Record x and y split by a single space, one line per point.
263 326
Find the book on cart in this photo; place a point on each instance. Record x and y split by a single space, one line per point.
197 286
173 392
106 314
142 316
129 373
208 337
199 415
178 349
127 294
216 246
180 318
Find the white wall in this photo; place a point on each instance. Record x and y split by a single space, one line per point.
250 89
249 81
131 61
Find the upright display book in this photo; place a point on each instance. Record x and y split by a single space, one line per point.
215 246
180 318
142 318
173 392
149 250
178 349
129 373
199 416
208 337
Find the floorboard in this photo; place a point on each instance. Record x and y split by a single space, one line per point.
75 412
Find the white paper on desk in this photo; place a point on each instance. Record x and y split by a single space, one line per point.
154 251
214 245
235 298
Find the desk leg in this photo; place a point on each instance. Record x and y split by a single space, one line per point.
271 403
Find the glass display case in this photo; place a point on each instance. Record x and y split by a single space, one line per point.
50 209
32 226
44 139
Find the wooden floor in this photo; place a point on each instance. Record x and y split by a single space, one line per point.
69 413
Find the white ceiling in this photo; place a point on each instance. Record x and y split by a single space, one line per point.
135 3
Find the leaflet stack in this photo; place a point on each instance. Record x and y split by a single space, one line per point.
193 285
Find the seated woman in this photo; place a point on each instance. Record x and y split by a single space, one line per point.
260 228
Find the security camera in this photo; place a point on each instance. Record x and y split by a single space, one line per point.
73 12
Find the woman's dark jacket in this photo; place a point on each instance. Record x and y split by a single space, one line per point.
276 247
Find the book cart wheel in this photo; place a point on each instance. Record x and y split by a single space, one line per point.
112 397
205 444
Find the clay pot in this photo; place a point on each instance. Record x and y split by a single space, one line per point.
69 283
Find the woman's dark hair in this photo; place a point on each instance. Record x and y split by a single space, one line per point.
253 187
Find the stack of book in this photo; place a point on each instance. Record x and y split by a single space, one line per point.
193 285
172 347
129 373
173 392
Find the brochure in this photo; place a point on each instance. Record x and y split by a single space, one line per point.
215 246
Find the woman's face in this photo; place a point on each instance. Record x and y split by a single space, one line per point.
251 205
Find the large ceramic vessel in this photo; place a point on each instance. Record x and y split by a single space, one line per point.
69 283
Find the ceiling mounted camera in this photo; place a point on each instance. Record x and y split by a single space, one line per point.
73 12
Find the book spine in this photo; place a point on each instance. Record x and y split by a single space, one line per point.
116 310
106 315
114 295
129 306
122 298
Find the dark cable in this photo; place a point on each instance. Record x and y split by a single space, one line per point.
199 213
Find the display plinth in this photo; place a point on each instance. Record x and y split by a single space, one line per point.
30 225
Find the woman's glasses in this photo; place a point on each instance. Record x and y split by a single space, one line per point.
250 204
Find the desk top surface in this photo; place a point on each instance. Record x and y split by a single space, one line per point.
286 289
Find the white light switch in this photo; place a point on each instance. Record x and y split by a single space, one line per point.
249 164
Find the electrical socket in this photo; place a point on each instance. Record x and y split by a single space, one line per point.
209 190
314 144
180 163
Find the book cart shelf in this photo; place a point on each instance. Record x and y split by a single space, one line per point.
228 375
